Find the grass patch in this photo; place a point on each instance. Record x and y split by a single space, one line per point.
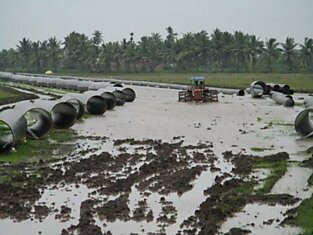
277 164
37 149
304 216
9 95
256 149
278 170
298 82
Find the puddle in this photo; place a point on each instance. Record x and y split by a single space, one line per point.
69 196
260 219
294 182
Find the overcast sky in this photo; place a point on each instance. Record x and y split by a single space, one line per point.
41 19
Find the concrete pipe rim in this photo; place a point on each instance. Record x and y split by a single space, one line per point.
120 97
41 115
96 105
110 99
130 94
6 142
303 121
69 118
78 105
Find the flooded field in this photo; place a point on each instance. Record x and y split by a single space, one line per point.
156 166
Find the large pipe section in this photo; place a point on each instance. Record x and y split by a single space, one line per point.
257 89
238 92
304 123
13 127
63 114
282 99
39 121
93 103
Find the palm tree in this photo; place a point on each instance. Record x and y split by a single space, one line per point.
53 51
306 53
35 56
289 53
255 49
24 49
271 53
241 50
97 38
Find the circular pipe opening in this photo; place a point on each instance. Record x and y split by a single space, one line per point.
63 115
96 105
130 94
257 89
39 123
276 87
120 97
6 137
78 105
241 92
304 123
109 99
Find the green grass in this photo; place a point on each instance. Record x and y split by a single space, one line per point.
257 149
6 95
33 149
304 216
277 170
298 82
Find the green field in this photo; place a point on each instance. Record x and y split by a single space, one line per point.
9 95
297 82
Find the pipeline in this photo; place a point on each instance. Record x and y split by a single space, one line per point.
63 114
282 99
93 103
39 122
304 123
257 89
13 127
237 92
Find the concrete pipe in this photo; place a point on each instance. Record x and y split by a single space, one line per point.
257 89
39 121
238 92
130 94
268 89
77 104
61 84
108 96
63 114
282 99
304 123
308 102
82 85
13 127
93 103
70 84
98 85
110 99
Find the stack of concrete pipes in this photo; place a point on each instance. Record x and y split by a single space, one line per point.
303 121
97 97
258 89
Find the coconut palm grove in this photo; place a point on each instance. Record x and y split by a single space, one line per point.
201 52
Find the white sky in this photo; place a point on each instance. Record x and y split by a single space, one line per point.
41 19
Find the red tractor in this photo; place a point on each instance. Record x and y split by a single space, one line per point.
198 92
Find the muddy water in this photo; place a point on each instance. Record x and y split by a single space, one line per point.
234 123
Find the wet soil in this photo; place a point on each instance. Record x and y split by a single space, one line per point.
154 167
